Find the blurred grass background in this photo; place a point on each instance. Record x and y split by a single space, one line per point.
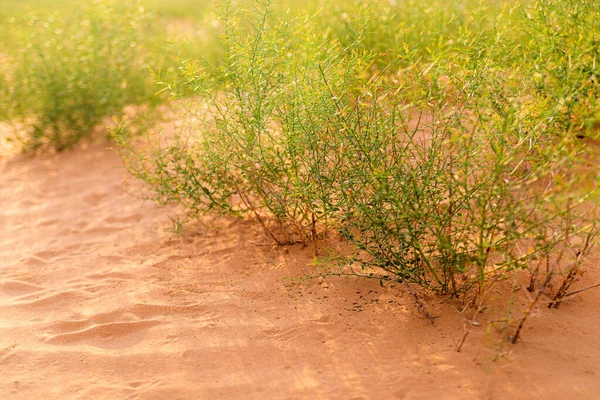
193 9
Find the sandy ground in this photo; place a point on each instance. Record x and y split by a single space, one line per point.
98 300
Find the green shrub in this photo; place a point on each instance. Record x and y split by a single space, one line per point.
71 69
440 166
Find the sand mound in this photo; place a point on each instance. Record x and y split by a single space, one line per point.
99 300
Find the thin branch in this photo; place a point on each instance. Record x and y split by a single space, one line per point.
571 277
419 304
513 338
582 290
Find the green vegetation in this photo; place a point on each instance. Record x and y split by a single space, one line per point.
439 140
9 8
440 145
562 47
68 70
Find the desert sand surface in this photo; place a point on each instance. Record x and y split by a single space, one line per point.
100 300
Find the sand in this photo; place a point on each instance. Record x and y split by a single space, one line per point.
99 300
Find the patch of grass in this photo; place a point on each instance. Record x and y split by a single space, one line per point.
67 70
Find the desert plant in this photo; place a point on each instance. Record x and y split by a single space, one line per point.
71 69
440 166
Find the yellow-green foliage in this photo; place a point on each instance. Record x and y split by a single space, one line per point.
69 69
415 130
561 42
438 138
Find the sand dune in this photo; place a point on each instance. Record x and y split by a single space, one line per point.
99 300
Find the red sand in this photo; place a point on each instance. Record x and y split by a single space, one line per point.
98 300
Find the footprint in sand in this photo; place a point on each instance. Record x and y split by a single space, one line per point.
285 335
13 288
45 257
169 261
34 261
7 353
95 198
126 221
121 328
295 332
323 320
48 222
111 334
110 276
49 299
